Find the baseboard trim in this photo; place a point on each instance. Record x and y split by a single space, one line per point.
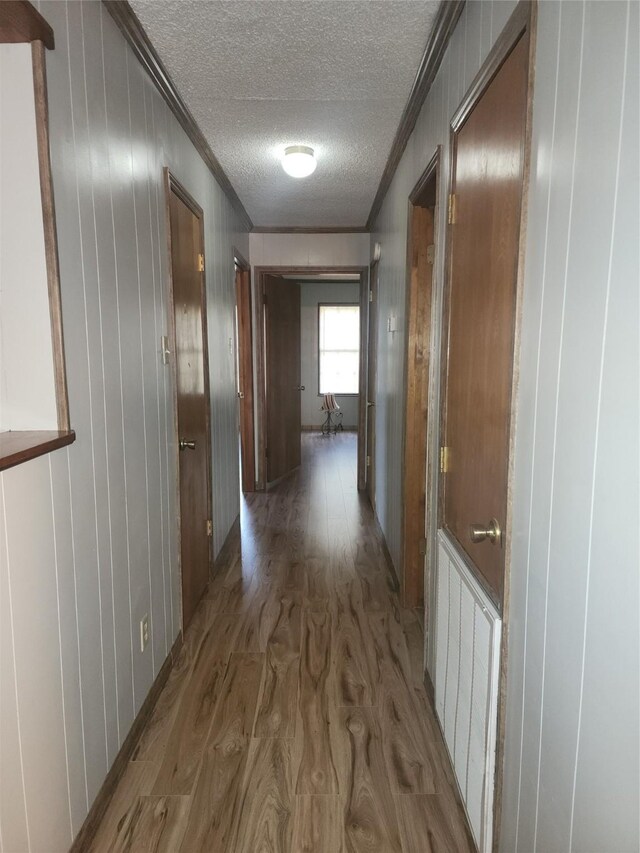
428 686
230 541
89 828
387 554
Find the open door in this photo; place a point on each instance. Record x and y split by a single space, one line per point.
371 382
485 216
282 358
192 392
244 342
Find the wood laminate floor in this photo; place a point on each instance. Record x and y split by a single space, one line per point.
295 718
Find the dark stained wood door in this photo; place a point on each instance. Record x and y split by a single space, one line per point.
417 383
371 383
488 163
282 342
245 378
192 385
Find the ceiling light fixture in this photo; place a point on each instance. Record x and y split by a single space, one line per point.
299 161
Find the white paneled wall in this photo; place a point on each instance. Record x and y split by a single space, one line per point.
573 726
572 771
88 534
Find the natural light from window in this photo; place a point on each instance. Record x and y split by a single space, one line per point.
338 348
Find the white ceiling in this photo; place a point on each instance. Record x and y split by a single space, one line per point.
261 74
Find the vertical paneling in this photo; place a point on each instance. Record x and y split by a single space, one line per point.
571 594
572 767
466 684
88 537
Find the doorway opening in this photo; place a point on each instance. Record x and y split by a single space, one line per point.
192 412
244 373
421 252
309 361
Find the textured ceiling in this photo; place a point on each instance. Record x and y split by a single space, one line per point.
262 74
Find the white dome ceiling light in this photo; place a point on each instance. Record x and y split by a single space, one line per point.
299 161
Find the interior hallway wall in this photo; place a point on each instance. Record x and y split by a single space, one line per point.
572 752
88 540
312 294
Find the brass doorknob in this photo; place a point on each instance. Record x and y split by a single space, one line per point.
185 444
492 532
241 395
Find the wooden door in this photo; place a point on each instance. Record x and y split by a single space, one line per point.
192 389
421 249
488 169
282 358
371 382
245 378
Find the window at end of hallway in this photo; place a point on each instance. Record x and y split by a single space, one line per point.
338 349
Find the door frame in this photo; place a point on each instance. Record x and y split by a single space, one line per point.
260 342
521 23
244 334
419 420
369 333
173 185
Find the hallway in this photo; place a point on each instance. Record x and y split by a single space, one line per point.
295 718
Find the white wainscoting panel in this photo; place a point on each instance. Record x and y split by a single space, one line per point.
468 630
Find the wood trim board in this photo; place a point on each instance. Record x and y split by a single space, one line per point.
89 828
244 333
50 234
133 31
21 22
17 446
421 284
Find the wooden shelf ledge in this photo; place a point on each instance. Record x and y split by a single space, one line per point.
18 446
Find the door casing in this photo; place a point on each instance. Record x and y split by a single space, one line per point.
419 421
172 185
370 384
261 393
245 370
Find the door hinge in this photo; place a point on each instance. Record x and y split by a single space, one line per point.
368 461
452 208
266 453
209 527
422 547
431 254
444 460
200 263
371 296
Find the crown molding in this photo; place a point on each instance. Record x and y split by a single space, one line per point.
133 31
443 27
